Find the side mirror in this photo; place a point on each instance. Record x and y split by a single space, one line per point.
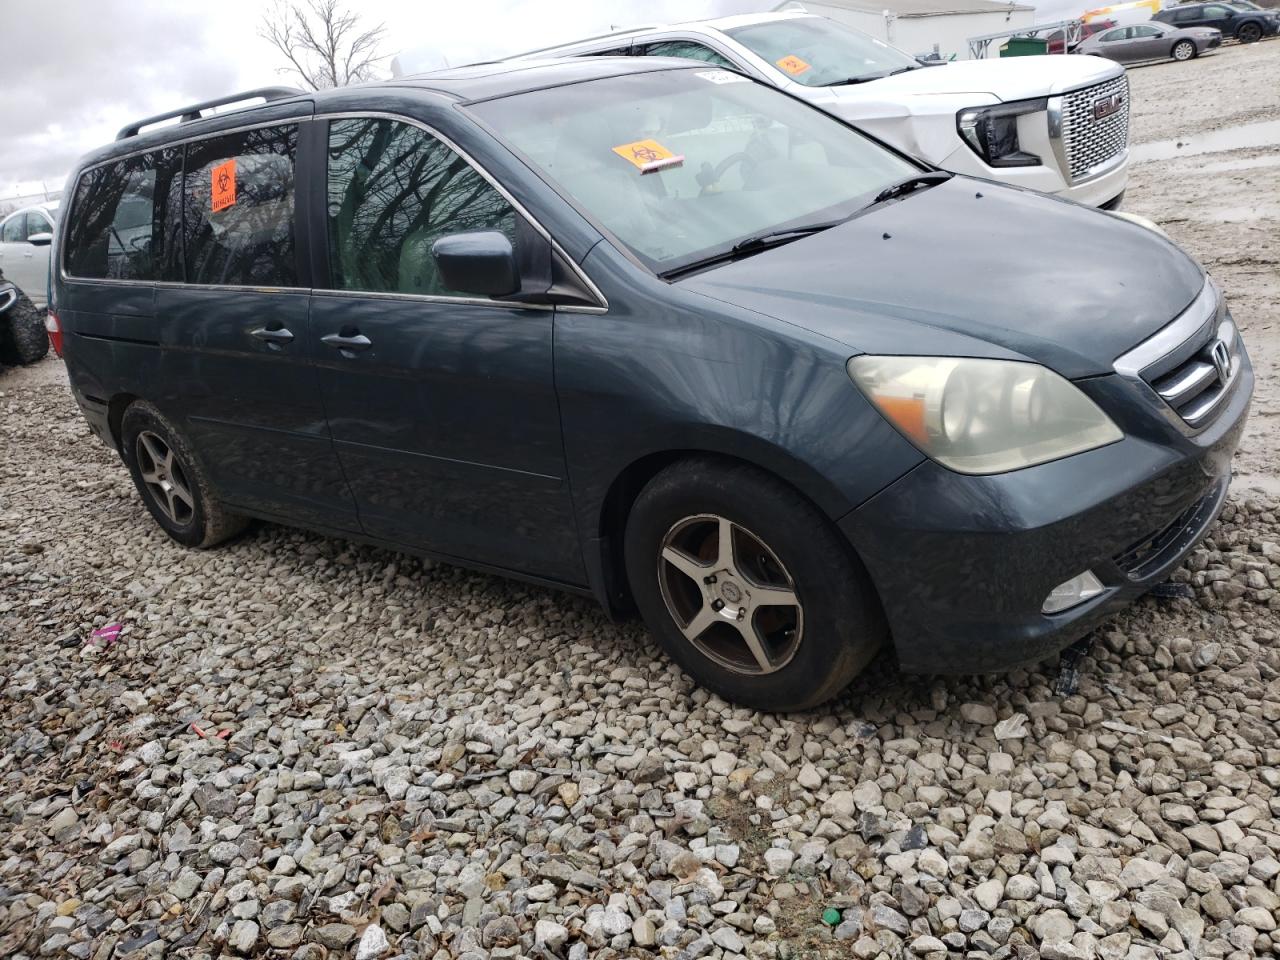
40 239
482 262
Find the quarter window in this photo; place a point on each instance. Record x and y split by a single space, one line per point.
238 204
393 190
688 50
109 232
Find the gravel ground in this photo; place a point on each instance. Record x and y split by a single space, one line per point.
301 748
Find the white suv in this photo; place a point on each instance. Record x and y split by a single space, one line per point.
1057 124
25 238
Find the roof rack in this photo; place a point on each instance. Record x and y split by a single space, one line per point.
194 111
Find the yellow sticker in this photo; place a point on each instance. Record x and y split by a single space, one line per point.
648 155
224 185
793 65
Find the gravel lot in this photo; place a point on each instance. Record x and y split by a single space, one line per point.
302 748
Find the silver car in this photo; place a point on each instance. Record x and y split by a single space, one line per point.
25 236
1151 41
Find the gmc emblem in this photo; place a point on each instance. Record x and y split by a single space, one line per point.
1106 106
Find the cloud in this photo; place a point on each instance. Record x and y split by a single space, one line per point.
76 70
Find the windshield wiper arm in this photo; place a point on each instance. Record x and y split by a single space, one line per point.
750 245
868 77
913 182
774 237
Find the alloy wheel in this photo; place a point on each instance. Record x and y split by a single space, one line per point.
729 595
1184 51
166 481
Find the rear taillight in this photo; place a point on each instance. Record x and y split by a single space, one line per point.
55 331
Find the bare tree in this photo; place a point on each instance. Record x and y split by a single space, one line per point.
325 43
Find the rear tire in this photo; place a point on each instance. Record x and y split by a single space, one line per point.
1249 33
797 618
1184 50
23 339
171 481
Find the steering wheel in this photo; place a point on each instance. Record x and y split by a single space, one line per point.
709 176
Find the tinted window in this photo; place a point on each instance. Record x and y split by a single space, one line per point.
1192 14
37 224
109 225
1217 12
688 50
239 209
13 231
393 190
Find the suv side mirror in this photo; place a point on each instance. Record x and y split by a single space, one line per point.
480 262
40 239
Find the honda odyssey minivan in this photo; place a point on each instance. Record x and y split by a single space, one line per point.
657 333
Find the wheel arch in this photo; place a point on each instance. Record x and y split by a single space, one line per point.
115 415
604 549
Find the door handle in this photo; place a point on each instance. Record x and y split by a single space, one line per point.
347 345
273 338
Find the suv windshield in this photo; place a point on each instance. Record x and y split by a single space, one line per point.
818 52
683 165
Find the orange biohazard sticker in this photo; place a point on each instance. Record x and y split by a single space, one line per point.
224 185
648 155
793 65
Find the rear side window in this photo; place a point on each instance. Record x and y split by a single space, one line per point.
12 231
109 233
1181 15
238 206
688 50
393 190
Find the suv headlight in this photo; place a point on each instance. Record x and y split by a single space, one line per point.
983 416
992 132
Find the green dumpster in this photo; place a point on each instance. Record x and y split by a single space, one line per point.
1025 47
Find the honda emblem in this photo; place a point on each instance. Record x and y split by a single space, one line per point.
1221 357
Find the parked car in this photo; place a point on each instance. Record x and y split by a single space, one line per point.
25 236
1244 21
1028 121
1057 39
22 333
1151 41
652 331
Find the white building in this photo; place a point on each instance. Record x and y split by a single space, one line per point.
918 26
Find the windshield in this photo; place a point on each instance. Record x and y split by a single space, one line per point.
681 165
819 52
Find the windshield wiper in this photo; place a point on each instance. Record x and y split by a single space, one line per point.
750 245
868 77
913 182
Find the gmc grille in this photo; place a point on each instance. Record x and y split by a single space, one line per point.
1090 141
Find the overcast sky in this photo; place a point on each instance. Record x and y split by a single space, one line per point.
76 71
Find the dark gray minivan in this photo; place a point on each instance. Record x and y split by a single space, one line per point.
663 335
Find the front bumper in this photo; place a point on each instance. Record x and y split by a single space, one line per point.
963 564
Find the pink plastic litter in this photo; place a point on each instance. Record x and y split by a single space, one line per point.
106 636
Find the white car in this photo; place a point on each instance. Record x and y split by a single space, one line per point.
1057 124
26 236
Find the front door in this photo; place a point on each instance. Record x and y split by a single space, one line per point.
442 406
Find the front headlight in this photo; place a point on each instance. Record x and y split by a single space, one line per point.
992 132
983 416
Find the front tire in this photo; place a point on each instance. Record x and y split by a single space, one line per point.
171 481
1249 33
23 339
748 587
1184 50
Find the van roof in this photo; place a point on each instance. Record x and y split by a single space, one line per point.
483 81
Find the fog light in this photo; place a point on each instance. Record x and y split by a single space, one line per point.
1078 589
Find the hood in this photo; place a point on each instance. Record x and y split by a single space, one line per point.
970 268
1008 78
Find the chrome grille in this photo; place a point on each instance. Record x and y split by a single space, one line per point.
1197 386
1089 141
1193 363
